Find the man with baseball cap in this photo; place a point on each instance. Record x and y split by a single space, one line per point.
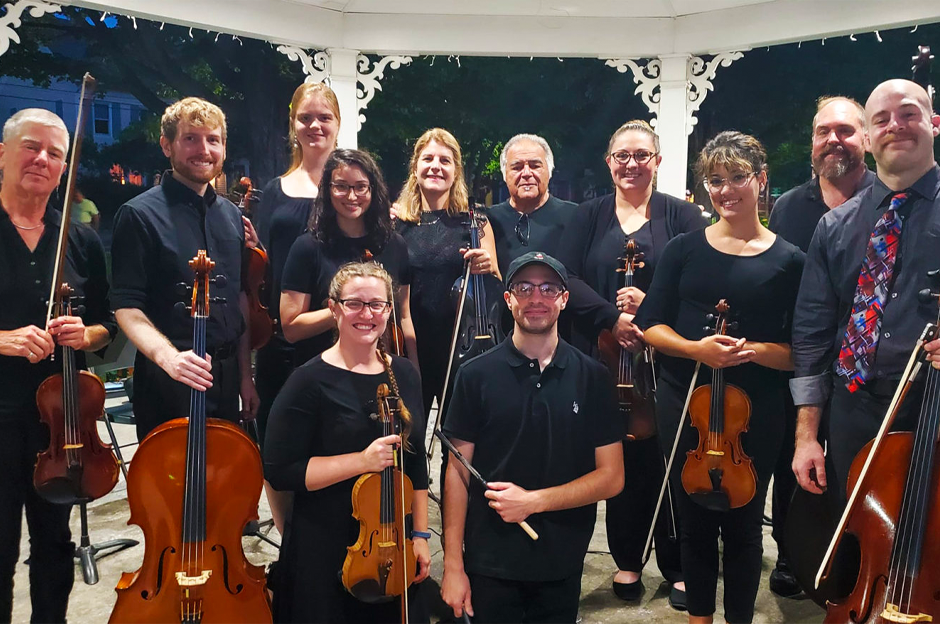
538 419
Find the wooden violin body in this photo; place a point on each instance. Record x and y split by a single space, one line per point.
260 324
718 474
160 591
77 466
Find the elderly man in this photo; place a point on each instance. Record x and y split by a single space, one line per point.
155 236
531 218
838 156
32 161
856 323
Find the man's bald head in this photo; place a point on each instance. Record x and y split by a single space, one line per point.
898 86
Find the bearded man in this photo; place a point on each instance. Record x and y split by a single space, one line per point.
155 236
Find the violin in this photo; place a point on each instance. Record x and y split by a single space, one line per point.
394 338
718 475
894 510
193 486
381 565
254 281
632 372
77 466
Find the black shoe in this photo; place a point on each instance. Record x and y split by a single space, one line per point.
629 591
783 583
677 599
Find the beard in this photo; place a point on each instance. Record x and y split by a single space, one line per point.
535 327
833 169
197 175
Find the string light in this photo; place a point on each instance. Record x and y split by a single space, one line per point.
913 30
134 21
103 15
852 37
190 32
824 41
217 36
878 36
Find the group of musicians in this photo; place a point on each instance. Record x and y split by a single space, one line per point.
832 309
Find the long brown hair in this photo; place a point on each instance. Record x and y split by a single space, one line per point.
301 93
409 201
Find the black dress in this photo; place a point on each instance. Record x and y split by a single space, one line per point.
312 264
325 411
279 220
690 279
434 245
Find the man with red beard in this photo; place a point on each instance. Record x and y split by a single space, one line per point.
539 419
838 155
156 234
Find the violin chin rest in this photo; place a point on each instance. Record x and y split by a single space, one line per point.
370 592
711 500
61 491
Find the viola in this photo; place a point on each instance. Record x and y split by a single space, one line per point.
894 509
77 466
254 281
633 373
718 474
193 486
381 565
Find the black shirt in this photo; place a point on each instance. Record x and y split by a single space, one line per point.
541 230
797 211
25 283
828 287
156 234
537 429
312 264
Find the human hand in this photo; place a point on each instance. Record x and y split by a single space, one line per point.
394 211
28 342
188 368
511 502
808 457
721 351
250 399
251 236
627 334
629 299
423 557
479 259
933 352
379 455
455 591
68 331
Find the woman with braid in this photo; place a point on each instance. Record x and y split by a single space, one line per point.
321 438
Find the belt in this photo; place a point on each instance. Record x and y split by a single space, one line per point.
223 352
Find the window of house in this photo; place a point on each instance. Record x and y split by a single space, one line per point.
102 119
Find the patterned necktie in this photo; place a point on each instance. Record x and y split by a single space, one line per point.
874 281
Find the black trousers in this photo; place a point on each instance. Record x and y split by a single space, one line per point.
51 569
274 362
158 398
742 538
499 601
630 512
784 479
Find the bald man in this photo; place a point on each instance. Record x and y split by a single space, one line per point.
856 371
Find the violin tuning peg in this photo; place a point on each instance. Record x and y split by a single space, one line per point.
182 309
184 290
78 310
733 325
219 300
926 296
219 281
711 318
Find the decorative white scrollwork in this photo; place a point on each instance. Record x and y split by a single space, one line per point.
647 78
700 75
315 67
370 79
11 19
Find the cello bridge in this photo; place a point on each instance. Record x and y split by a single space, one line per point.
893 614
718 453
191 581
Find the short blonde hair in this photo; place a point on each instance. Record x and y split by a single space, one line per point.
409 201
194 111
13 127
301 93
732 150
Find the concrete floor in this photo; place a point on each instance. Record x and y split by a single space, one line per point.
108 516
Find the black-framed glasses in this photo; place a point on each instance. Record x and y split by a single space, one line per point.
640 156
524 290
522 229
738 180
341 189
357 305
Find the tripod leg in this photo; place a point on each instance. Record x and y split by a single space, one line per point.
86 552
115 446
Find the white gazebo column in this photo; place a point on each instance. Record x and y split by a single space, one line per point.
343 80
671 125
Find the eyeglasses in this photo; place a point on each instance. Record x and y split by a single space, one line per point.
522 229
738 180
356 305
524 290
341 189
640 156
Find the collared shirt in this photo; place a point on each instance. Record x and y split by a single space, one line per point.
537 429
25 283
831 274
156 234
797 211
541 230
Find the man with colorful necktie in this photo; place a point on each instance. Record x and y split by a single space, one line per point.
858 316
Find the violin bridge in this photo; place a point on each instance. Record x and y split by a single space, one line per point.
191 581
388 544
69 447
718 453
893 614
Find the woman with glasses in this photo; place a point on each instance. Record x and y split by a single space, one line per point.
350 223
432 218
595 244
758 274
322 437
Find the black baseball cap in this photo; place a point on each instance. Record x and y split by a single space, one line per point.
536 257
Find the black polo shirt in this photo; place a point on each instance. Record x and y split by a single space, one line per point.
156 234
545 228
25 282
537 429
797 211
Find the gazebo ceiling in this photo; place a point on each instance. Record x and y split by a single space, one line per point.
588 28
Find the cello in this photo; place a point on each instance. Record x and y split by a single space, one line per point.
633 372
381 564
717 474
193 486
77 466
893 510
